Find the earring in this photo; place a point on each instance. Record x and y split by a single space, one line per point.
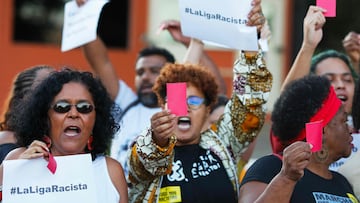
47 140
322 155
89 143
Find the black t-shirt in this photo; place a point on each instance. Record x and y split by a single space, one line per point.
310 188
197 176
5 149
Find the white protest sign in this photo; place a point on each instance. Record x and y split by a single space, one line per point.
219 21
80 23
29 180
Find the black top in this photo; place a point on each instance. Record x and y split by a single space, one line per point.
199 176
310 188
5 149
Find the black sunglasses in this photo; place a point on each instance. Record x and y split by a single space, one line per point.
64 107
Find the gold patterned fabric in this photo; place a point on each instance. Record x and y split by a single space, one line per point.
241 122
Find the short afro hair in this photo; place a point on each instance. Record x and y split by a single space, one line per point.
299 101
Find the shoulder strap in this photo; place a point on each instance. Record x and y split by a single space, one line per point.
132 104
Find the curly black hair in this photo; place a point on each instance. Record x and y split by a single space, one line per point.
299 101
153 50
34 119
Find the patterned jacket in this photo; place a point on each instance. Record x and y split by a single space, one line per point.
241 122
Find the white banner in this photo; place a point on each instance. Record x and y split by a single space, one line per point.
80 23
220 22
29 180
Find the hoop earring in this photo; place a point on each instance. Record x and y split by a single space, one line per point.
322 155
89 143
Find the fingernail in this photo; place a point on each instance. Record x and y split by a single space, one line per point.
160 29
46 149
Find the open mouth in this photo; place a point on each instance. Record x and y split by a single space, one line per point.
146 90
72 131
343 98
184 123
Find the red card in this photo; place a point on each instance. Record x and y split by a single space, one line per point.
52 165
176 98
314 135
329 5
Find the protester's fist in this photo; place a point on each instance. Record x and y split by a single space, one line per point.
256 16
351 44
313 23
162 126
295 159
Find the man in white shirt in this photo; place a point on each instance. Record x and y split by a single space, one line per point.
137 106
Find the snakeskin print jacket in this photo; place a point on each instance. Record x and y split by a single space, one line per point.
241 122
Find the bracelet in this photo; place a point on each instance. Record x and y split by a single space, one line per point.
167 150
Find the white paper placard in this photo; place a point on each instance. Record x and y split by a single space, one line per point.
80 23
29 180
219 21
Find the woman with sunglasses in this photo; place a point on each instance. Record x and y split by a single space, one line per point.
70 113
174 159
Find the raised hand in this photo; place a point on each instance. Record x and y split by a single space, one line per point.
296 157
313 23
163 125
256 16
351 44
174 28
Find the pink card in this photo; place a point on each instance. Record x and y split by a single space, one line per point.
52 165
176 98
314 135
329 5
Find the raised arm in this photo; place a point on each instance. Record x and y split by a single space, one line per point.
313 23
195 52
96 54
